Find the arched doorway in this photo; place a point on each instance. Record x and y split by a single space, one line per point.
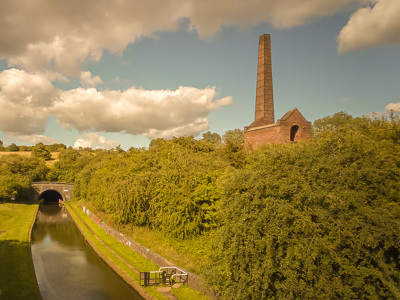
293 132
50 196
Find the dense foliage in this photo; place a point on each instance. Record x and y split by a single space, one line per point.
318 219
314 220
173 186
40 151
17 173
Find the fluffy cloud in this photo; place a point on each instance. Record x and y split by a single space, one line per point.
81 142
28 99
88 81
25 100
45 35
93 138
38 138
393 106
371 26
138 111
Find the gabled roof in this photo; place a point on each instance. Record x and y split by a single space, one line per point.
260 121
289 113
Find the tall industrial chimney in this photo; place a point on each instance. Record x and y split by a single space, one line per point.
264 95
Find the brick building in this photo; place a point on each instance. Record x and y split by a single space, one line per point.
292 127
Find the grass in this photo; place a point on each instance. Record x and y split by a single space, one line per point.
131 257
188 254
49 163
17 273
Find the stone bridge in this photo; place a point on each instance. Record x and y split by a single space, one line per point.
53 191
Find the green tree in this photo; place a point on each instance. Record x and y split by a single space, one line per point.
211 137
234 136
156 142
40 151
12 148
313 220
331 122
16 174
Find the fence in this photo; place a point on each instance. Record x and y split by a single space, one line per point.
164 276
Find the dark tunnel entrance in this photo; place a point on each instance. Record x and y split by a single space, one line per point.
50 196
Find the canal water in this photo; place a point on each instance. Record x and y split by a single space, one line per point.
65 264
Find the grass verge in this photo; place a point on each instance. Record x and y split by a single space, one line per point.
188 253
17 273
121 256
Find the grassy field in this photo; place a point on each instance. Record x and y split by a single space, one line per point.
17 274
129 256
49 163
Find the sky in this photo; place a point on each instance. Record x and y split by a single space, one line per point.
99 73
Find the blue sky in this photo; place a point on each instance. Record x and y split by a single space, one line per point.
113 75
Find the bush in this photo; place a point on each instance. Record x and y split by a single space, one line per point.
314 220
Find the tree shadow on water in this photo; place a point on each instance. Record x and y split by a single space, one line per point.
17 274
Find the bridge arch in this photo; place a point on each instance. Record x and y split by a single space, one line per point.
52 190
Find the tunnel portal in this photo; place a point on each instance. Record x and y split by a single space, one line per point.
50 196
53 191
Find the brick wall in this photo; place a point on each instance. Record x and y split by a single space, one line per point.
279 132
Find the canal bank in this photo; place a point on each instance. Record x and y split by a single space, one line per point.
17 273
124 260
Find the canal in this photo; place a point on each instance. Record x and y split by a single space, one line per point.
66 266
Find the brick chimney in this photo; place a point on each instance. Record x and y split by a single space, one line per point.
264 96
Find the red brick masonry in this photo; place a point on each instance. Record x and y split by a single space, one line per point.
283 131
292 127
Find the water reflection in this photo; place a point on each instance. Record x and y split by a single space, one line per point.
66 266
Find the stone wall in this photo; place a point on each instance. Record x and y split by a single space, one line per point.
194 282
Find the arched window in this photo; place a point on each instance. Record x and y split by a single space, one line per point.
293 132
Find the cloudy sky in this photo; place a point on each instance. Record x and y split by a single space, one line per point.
99 73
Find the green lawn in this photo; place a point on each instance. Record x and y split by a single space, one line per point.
17 274
137 261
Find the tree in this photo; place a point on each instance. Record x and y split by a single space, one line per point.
40 151
12 148
313 220
213 138
331 122
156 142
234 136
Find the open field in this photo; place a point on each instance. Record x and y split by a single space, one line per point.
17 274
49 163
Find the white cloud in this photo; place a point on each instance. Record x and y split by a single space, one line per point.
393 106
370 26
94 139
28 99
88 81
61 37
38 138
25 100
81 142
101 141
138 111
194 128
